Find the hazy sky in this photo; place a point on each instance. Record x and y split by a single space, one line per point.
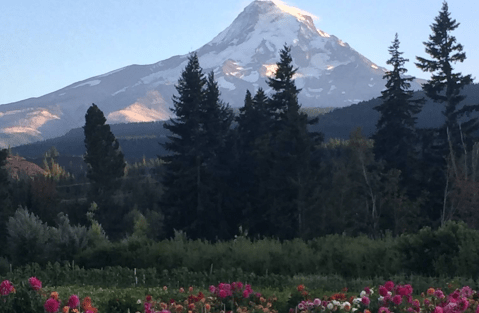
49 44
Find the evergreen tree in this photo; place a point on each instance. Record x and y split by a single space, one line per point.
285 157
194 193
455 136
106 166
445 86
395 137
6 209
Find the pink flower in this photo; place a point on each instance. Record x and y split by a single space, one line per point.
222 294
246 293
301 306
463 304
365 300
212 289
239 285
383 291
477 310
389 285
439 294
397 299
427 302
466 291
52 305
6 287
438 309
409 289
317 302
451 307
165 311
74 301
35 283
416 303
383 310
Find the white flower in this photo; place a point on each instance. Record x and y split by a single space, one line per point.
390 293
354 310
381 298
357 300
138 302
336 303
371 291
362 294
330 306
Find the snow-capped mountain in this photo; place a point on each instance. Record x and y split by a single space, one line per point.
331 74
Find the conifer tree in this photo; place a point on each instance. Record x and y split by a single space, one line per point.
183 181
194 195
286 156
444 87
106 165
395 137
6 209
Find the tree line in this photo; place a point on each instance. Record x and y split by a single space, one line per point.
264 173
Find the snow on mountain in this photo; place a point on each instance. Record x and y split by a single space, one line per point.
243 56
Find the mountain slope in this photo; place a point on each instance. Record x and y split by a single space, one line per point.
243 56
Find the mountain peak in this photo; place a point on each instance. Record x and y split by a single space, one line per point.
296 12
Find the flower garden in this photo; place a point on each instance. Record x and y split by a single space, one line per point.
239 297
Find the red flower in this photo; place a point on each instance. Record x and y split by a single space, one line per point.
300 288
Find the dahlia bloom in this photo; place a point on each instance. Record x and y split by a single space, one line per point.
35 283
365 300
389 285
74 301
397 299
51 305
6 287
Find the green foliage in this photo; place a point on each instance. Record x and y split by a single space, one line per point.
27 237
121 303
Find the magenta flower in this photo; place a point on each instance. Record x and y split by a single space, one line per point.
463 304
365 300
409 289
35 283
368 290
383 310
222 294
383 291
246 293
477 310
389 285
6 287
467 292
212 289
439 294
438 309
52 305
397 299
239 285
74 301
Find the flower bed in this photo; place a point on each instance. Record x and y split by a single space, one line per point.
241 298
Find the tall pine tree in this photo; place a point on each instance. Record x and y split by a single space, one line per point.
106 167
6 209
194 194
395 137
444 88
287 154
445 85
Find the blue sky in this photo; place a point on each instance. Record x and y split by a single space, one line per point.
49 44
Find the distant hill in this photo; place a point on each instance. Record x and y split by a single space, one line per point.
143 139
